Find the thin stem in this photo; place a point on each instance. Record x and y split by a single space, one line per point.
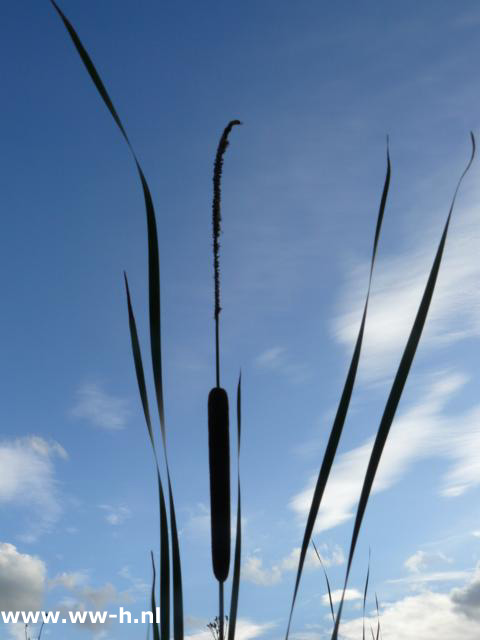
217 350
220 598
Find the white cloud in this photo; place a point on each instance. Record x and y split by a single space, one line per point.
350 594
254 571
27 479
90 598
69 580
464 447
420 560
277 360
22 583
428 615
397 289
115 515
22 579
245 630
101 409
104 595
138 586
422 431
333 557
198 522
415 580
466 600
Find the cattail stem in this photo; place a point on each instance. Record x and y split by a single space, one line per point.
217 352
221 607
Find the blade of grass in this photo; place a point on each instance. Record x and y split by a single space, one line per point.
164 546
378 617
326 580
397 389
365 596
342 410
232 622
156 635
154 314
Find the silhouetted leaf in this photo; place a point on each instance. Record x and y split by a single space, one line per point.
342 410
397 389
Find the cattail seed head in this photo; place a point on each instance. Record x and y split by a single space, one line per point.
219 458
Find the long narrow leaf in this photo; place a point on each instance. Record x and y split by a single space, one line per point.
232 622
378 617
164 546
342 410
156 635
326 580
365 596
154 313
397 389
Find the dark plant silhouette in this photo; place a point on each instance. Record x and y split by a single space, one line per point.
215 627
218 405
218 420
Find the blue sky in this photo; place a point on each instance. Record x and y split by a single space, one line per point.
317 86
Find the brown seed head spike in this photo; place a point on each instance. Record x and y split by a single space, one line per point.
217 177
219 458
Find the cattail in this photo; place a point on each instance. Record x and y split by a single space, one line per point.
218 428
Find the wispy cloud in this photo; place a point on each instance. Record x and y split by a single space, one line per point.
115 515
198 521
422 560
27 479
276 360
422 431
99 408
69 580
86 597
417 579
254 571
398 286
350 594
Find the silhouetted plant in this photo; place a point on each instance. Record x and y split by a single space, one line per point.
218 421
215 627
218 405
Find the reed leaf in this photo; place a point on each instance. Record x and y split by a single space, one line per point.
238 538
397 389
164 545
365 591
156 635
378 617
342 410
154 314
326 580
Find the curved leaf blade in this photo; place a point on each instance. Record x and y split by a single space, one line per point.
342 410
397 389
